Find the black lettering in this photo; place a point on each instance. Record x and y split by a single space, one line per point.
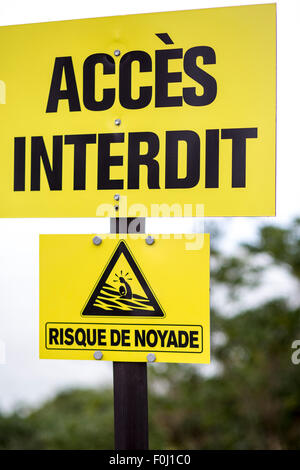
101 337
135 159
194 340
91 337
115 337
53 336
172 340
63 64
19 164
125 84
105 161
80 142
139 338
152 342
162 336
163 77
38 153
239 137
207 81
69 336
125 338
89 80
61 336
212 159
80 337
193 159
183 339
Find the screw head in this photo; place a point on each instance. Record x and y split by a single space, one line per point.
150 240
117 52
117 197
151 357
116 208
97 240
117 122
98 355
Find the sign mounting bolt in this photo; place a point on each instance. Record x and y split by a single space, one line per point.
117 52
116 208
150 240
98 355
117 122
117 197
97 240
151 357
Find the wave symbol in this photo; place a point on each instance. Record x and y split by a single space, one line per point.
109 299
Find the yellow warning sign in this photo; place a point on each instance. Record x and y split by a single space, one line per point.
124 298
174 112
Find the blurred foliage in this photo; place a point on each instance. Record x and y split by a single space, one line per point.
75 419
252 401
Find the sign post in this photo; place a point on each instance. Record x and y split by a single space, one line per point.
130 405
130 380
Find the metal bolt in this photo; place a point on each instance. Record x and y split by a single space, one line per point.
150 240
117 52
151 357
117 197
117 122
97 240
116 208
98 355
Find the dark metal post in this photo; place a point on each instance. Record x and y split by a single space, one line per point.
130 379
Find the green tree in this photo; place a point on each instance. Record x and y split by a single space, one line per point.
74 419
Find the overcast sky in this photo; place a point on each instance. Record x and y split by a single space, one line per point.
23 377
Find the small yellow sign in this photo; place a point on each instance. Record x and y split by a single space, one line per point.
172 112
124 298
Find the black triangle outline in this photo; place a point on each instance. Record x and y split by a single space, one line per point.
90 310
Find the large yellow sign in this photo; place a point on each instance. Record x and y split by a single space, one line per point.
123 300
153 115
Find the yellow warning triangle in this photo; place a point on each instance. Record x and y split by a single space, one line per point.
122 289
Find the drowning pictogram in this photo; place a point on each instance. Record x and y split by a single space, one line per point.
122 289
